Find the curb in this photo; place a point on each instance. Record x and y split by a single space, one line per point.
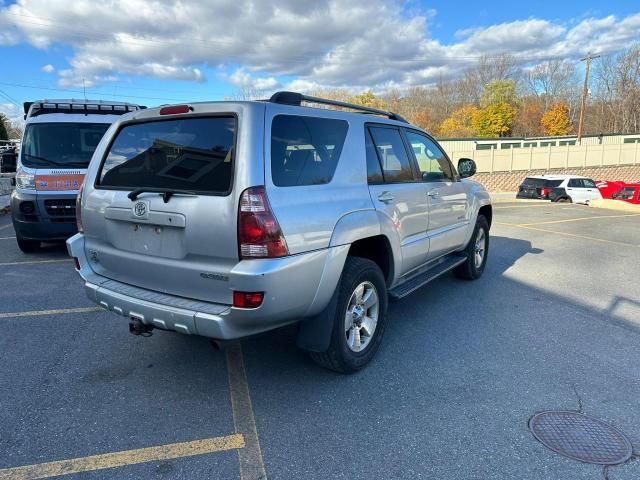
618 205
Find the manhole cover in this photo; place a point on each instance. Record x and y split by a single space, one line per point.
581 438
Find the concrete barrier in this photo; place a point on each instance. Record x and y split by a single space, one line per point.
615 205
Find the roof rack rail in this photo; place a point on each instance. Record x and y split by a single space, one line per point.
296 99
88 107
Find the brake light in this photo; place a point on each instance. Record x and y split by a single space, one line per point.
259 234
175 109
247 299
79 209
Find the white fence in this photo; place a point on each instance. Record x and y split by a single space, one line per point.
543 158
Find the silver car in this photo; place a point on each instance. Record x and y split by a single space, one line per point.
227 219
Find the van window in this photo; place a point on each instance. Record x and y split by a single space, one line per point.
305 150
51 145
190 154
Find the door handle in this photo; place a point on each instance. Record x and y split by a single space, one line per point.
433 194
386 197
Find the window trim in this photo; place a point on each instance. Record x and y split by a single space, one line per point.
456 176
127 123
412 164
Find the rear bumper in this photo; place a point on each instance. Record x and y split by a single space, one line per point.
295 287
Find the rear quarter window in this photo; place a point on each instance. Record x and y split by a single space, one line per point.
305 150
189 154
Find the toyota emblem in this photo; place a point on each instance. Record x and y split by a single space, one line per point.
140 209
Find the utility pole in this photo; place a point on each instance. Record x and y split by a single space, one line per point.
585 91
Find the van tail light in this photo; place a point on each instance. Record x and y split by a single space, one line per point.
247 299
79 209
259 234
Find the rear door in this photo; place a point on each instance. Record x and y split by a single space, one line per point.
183 244
398 195
448 198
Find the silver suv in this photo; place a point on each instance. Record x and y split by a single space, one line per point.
228 219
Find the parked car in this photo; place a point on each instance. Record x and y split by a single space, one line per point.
575 189
227 219
629 193
608 188
59 139
538 187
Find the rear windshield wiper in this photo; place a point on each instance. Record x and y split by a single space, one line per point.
166 194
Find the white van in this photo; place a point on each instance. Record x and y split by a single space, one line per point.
60 137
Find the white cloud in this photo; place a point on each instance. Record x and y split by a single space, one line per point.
355 43
48 68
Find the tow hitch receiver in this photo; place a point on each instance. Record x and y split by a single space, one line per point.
136 327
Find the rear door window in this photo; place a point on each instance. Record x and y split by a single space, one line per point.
393 157
305 150
190 154
374 171
552 183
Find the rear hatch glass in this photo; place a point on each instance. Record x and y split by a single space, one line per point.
193 155
533 182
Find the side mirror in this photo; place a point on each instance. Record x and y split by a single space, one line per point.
466 167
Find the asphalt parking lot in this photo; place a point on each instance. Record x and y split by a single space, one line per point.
553 324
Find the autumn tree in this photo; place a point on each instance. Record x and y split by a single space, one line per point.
4 126
460 123
527 120
424 120
499 91
555 121
368 99
494 120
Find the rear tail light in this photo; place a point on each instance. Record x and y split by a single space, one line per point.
247 299
259 234
79 209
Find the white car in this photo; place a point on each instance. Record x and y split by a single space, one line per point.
575 189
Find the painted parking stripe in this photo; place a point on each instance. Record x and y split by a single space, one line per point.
250 457
573 235
579 219
34 262
41 313
6 226
7 238
124 458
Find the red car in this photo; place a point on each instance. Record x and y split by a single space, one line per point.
630 193
608 188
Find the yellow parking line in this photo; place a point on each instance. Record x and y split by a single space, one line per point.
595 217
33 262
573 235
124 458
250 457
60 311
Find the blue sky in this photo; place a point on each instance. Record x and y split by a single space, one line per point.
199 50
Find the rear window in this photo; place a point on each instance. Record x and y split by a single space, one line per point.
533 182
305 150
190 154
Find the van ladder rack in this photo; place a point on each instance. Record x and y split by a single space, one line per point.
296 99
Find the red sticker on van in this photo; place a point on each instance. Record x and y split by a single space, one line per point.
59 182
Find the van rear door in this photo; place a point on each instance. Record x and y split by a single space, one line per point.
177 233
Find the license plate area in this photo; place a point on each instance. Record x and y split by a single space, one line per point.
146 239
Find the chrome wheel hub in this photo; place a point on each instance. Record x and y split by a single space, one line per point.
361 316
479 248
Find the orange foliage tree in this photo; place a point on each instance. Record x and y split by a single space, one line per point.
460 123
555 121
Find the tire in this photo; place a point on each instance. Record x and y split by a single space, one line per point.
344 355
471 269
564 200
28 246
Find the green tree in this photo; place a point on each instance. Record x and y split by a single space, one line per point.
499 91
495 120
555 121
4 126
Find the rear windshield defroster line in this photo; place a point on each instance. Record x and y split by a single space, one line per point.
193 154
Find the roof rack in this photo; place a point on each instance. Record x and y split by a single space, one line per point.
296 99
100 107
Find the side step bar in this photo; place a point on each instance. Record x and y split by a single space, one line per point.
421 279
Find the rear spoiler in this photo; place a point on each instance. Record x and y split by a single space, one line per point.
39 108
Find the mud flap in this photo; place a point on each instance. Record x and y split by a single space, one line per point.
314 333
